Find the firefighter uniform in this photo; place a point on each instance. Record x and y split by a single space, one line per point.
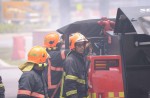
32 83
2 89
75 78
54 71
74 81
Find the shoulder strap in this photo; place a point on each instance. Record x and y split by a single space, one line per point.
45 87
56 89
62 85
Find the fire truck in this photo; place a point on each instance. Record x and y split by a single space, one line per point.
120 65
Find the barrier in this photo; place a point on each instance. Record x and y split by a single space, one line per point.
18 48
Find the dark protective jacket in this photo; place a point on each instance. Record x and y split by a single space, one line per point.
2 89
54 70
32 85
75 80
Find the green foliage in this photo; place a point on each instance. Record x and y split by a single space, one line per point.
9 28
17 28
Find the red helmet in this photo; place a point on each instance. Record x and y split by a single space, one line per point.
104 18
76 37
51 40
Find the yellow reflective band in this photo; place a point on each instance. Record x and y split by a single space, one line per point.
93 95
81 81
1 85
62 85
71 77
71 92
121 94
49 48
110 94
40 65
45 64
54 48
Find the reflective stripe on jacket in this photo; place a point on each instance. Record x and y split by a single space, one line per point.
29 93
31 85
75 80
54 71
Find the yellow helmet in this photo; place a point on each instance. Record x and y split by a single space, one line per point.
36 55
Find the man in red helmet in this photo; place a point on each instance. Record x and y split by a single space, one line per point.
32 83
74 83
2 89
53 72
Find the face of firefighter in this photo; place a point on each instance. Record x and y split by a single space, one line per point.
80 47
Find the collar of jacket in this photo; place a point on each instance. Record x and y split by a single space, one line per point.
52 49
38 71
81 56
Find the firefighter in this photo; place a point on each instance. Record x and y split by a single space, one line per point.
2 89
53 72
31 83
74 82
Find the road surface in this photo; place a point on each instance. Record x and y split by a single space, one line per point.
10 76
